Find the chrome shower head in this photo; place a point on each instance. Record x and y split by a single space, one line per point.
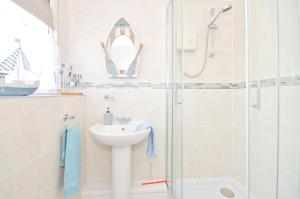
225 9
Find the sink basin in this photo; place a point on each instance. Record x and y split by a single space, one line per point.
118 135
120 138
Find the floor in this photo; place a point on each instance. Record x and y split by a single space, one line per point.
192 189
211 189
138 191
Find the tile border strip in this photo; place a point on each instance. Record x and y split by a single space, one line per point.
285 81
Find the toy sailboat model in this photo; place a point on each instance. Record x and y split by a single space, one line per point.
16 87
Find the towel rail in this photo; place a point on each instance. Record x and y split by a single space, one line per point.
67 117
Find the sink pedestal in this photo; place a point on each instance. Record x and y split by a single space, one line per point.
120 138
121 172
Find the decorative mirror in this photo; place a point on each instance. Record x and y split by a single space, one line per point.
122 51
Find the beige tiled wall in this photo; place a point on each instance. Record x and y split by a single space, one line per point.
239 42
239 135
214 120
207 113
219 66
89 23
139 104
207 133
30 135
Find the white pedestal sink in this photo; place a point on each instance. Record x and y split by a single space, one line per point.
121 138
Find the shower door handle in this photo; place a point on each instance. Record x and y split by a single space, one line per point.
178 101
258 96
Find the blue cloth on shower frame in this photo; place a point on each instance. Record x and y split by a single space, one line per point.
71 161
151 148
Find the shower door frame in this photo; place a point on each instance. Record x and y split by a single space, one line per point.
248 105
174 99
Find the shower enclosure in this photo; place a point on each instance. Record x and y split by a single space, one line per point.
234 130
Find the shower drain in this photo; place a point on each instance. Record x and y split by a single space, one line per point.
227 193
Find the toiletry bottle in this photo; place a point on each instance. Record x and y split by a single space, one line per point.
107 117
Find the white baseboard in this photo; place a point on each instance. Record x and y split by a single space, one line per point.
138 192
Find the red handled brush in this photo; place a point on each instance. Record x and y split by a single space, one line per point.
162 181
154 182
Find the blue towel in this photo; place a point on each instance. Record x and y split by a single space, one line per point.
70 159
151 148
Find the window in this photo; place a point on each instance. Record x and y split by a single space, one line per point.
37 42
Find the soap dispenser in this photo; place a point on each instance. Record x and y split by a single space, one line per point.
107 117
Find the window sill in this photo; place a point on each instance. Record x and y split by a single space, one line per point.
38 96
43 94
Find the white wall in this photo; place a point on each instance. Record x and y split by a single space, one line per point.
89 23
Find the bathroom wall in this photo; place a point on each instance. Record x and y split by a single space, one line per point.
139 104
89 23
207 112
30 134
219 62
207 145
214 119
81 48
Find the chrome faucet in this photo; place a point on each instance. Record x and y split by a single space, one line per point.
123 120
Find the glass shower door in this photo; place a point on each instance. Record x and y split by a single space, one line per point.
289 100
262 135
273 99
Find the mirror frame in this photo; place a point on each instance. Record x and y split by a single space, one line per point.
122 27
